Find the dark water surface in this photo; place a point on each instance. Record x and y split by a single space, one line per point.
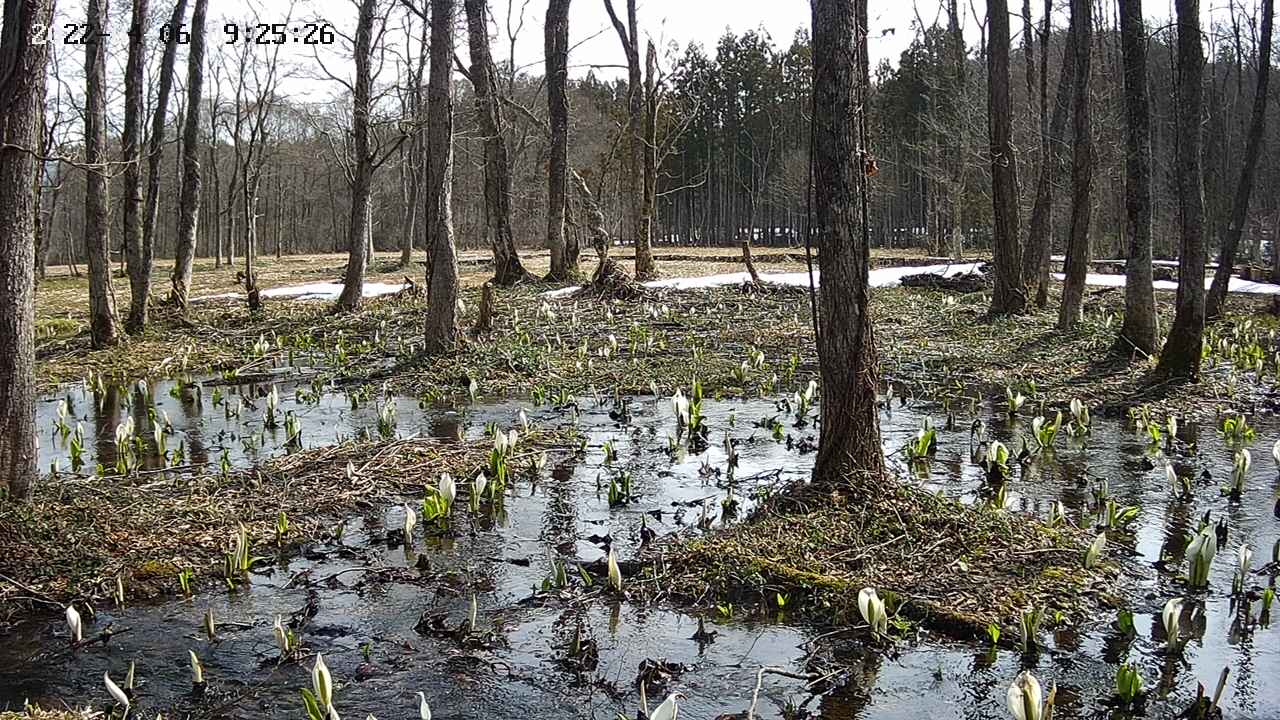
365 620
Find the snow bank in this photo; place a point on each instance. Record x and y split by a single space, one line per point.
892 277
880 277
312 291
1236 285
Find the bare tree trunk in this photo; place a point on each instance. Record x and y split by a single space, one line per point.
633 182
1244 188
563 249
1053 149
1139 329
97 228
850 439
441 327
22 85
131 155
189 197
1076 267
649 195
1009 296
155 155
362 170
1181 354
508 269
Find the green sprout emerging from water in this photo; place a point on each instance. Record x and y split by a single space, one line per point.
1029 621
1045 432
1241 463
923 444
1236 431
1128 683
1094 553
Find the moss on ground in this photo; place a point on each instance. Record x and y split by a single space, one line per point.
955 568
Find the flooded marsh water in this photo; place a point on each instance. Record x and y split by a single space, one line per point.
368 592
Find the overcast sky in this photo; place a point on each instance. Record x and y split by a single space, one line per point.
592 38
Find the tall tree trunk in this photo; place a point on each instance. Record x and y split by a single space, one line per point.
1181 354
508 269
1244 188
649 180
632 179
189 196
1139 329
1076 267
97 228
22 85
362 171
850 439
563 249
1053 147
1009 296
441 327
131 155
155 155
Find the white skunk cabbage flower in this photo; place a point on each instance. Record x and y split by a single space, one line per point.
680 406
322 683
1024 697
668 710
872 609
1171 475
615 573
1244 559
197 668
1171 616
479 484
410 522
512 438
1094 553
1200 553
424 710
448 489
1275 452
523 419
116 693
74 624
281 635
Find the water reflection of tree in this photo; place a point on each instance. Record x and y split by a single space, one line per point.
106 416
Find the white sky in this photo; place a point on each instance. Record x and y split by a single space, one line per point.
592 38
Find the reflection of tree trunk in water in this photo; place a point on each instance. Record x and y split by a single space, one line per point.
106 417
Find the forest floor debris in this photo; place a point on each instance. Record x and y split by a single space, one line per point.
34 713
952 567
78 533
930 341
